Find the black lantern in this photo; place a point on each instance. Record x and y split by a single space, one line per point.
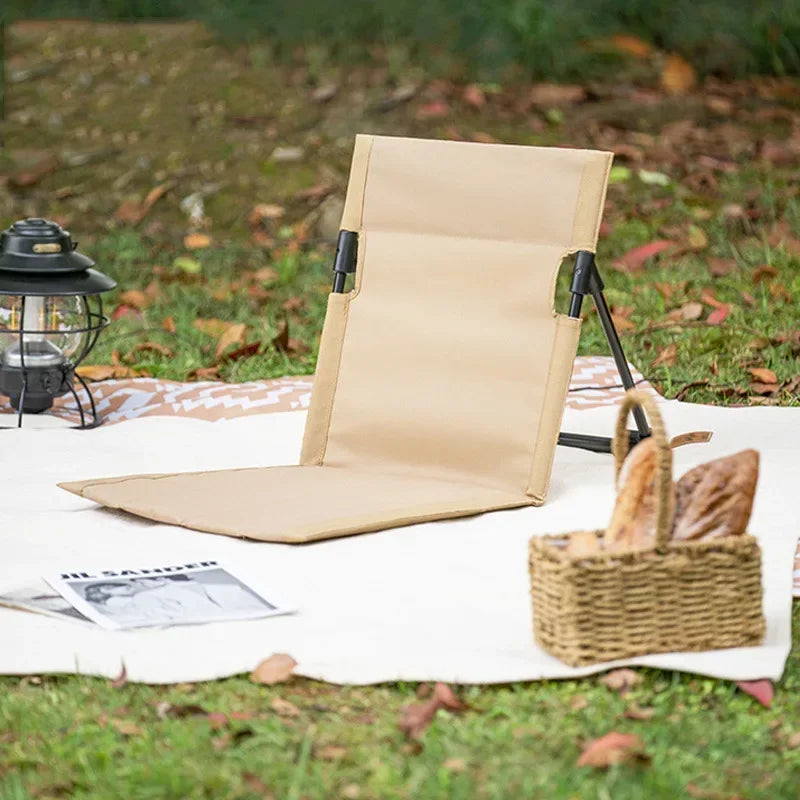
50 316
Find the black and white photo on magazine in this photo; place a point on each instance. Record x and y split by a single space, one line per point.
202 591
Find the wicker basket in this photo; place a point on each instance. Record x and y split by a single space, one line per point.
677 596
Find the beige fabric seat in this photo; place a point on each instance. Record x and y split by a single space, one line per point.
442 376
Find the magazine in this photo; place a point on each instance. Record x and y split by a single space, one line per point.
186 594
38 597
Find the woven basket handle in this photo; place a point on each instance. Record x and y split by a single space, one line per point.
664 509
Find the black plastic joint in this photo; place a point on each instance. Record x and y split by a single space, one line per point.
346 253
582 272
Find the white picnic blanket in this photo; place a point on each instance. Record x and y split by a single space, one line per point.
443 600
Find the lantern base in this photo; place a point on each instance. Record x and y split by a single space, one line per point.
32 390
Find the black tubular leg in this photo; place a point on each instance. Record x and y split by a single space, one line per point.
586 280
344 262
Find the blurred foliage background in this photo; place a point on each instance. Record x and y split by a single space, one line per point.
485 39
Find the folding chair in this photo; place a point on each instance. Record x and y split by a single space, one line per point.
442 375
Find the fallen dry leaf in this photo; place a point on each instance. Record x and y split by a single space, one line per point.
126 727
720 267
122 311
718 315
234 335
417 716
621 680
613 748
134 298
275 669
330 752
261 211
634 260
764 271
474 96
121 679
793 742
678 76
166 710
283 708
28 176
763 374
631 45
245 351
212 326
692 311
666 356
133 213
548 95
196 241
454 765
761 690
217 720
204 373
153 347
638 713
104 372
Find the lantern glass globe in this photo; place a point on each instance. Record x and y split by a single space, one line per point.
53 329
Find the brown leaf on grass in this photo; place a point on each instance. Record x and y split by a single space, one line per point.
196 241
639 713
213 326
168 324
134 298
181 711
280 341
678 76
152 347
436 109
204 374
297 346
613 748
719 267
275 669
28 176
217 720
104 372
245 351
578 703
691 311
763 272
707 296
548 95
631 45
126 727
234 335
283 708
121 679
793 742
718 315
123 310
764 388
634 260
622 324
261 211
761 690
416 717
330 752
667 356
265 275
133 213
621 680
763 374
474 96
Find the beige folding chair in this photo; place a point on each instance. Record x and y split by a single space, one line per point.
442 374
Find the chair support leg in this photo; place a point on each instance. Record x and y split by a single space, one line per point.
586 280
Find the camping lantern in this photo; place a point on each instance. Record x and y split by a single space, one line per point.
50 316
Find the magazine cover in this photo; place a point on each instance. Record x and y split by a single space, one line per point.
187 594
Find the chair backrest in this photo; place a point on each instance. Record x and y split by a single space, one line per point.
447 359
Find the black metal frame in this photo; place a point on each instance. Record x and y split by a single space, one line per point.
96 321
585 280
